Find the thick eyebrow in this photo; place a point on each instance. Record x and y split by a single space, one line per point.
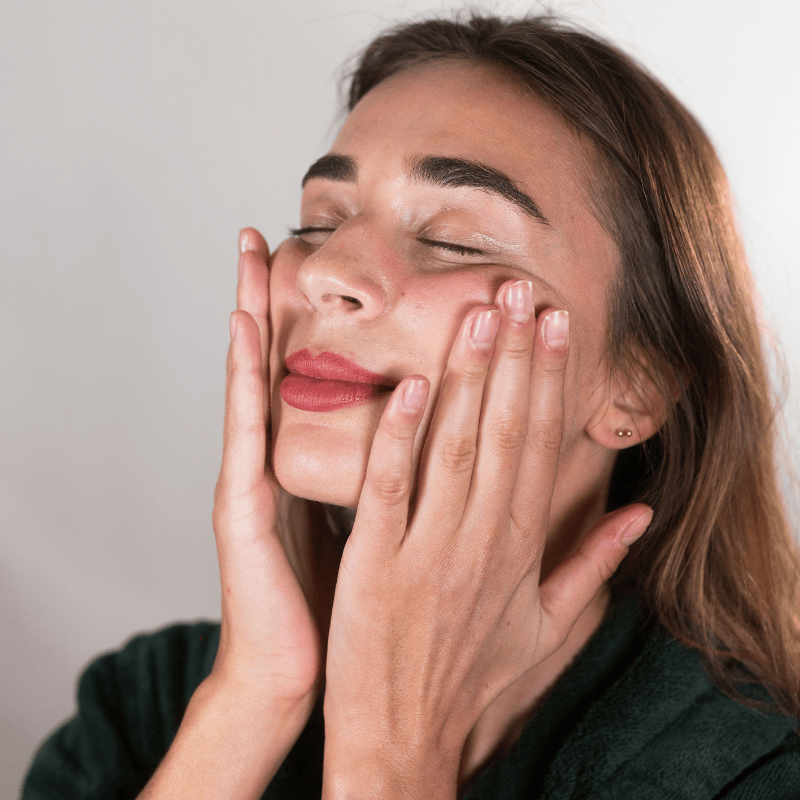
446 171
440 170
332 167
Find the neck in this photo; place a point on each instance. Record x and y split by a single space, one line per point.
501 724
577 504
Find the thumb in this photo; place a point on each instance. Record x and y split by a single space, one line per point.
573 584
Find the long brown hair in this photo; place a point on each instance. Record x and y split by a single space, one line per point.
718 566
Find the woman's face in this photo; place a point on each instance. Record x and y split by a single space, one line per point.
445 182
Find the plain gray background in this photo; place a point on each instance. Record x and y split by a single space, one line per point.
136 138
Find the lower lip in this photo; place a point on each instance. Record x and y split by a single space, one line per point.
313 394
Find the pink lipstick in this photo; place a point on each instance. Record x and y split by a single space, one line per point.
329 381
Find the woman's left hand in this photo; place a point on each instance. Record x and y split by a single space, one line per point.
439 609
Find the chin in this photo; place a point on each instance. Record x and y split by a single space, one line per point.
320 467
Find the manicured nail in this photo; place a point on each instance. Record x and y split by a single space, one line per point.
555 329
484 328
234 324
244 245
518 300
414 396
635 529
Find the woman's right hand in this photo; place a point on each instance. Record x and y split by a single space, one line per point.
245 717
269 643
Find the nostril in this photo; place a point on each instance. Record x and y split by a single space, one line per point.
353 302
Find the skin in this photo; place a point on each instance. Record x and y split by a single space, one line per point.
414 297
477 564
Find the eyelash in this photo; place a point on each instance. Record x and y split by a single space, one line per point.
303 231
460 249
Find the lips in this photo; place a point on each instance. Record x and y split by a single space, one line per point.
329 381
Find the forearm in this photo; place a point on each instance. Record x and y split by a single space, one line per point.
228 745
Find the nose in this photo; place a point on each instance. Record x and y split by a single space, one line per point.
337 281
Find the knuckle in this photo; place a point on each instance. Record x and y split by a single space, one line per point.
509 434
219 493
390 488
232 507
473 372
399 433
599 566
244 367
605 568
546 435
554 366
457 454
517 347
241 426
221 514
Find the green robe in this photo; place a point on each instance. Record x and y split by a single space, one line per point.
634 716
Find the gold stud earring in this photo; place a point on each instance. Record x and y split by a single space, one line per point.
625 432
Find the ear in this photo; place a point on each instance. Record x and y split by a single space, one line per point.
632 410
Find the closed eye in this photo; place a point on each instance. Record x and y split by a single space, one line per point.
310 229
312 235
461 249
451 247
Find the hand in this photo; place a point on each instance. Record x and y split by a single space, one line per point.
269 643
244 718
439 609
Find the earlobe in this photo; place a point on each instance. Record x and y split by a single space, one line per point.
633 410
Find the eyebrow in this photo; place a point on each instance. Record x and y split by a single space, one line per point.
332 167
438 170
446 171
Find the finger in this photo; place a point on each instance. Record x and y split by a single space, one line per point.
251 239
530 503
383 505
252 292
504 420
452 440
244 441
573 584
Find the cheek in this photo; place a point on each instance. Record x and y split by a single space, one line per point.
586 383
325 458
433 309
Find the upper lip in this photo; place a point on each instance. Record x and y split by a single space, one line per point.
333 367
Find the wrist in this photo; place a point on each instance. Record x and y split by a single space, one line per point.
255 707
362 768
230 744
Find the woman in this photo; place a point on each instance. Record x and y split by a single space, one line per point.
516 301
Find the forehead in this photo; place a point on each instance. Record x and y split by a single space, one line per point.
474 111
466 109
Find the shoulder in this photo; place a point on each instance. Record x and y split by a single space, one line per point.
663 729
171 660
130 705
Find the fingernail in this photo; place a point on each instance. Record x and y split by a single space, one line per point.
555 329
234 324
484 328
414 396
518 300
635 529
244 245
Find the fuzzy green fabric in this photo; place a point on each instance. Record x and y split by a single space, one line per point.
635 717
